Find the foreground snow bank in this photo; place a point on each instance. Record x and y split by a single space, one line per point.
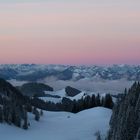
62 126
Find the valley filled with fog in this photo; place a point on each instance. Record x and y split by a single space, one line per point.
107 86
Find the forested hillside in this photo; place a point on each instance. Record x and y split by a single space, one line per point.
125 121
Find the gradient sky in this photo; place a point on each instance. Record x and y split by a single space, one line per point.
70 31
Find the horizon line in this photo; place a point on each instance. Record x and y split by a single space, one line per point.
118 64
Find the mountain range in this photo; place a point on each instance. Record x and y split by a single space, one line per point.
35 72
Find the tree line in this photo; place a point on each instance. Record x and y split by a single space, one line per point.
75 106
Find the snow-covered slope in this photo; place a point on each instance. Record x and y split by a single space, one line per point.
62 126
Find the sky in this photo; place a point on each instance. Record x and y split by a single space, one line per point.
72 32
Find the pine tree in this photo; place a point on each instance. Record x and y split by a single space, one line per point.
125 120
34 110
103 101
93 100
28 107
25 125
125 91
108 103
37 115
138 135
74 109
1 114
98 136
41 112
9 120
89 101
97 100
18 119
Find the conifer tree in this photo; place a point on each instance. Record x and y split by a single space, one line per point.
97 100
25 125
1 115
37 115
41 112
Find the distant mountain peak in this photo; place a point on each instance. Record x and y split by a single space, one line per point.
35 72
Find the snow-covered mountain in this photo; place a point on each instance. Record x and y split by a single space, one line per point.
34 72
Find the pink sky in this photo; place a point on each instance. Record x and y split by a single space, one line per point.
72 32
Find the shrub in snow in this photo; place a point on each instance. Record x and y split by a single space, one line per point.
98 135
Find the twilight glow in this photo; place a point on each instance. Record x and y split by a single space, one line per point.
70 31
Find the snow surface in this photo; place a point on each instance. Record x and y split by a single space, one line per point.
62 126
